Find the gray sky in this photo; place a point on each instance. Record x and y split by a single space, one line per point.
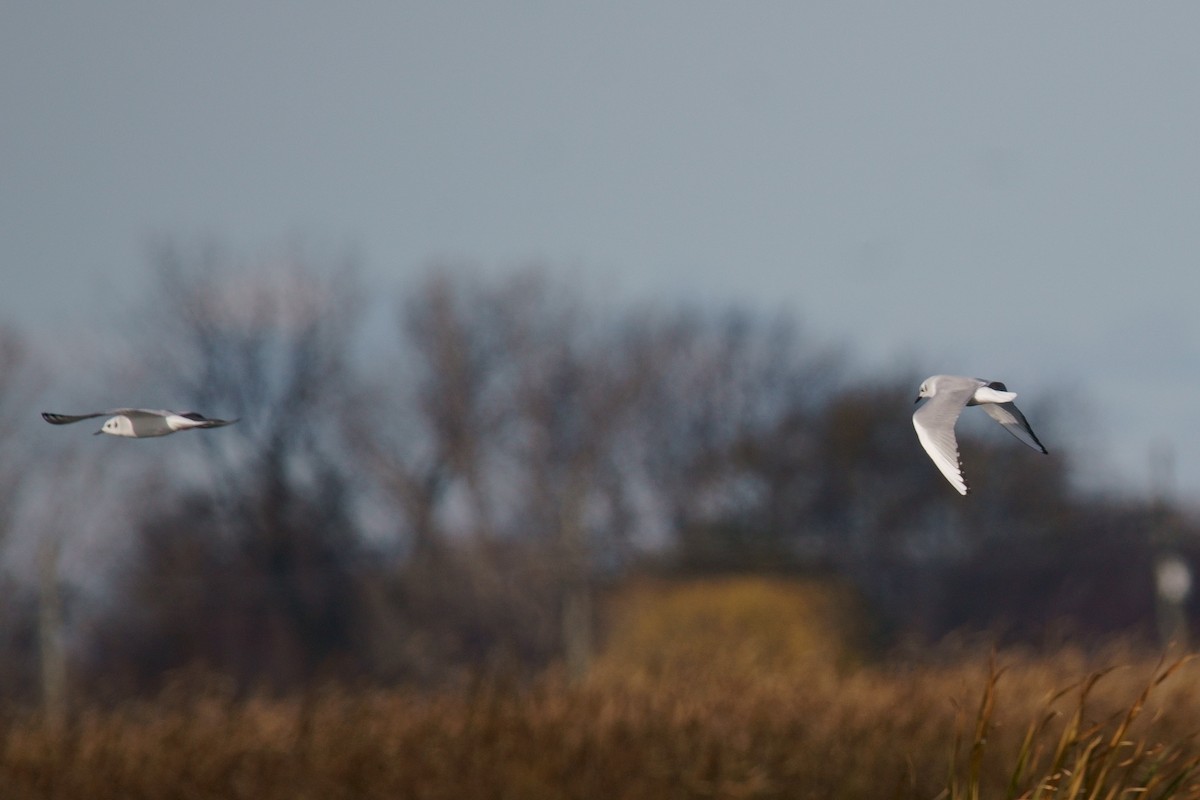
1003 190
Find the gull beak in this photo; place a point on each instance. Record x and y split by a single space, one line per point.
917 400
97 433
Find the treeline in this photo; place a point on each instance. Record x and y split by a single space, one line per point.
456 485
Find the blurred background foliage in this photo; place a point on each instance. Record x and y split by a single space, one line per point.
511 473
739 627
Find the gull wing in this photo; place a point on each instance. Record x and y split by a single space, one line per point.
67 419
934 422
1008 415
142 413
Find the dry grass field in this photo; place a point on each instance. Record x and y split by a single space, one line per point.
738 689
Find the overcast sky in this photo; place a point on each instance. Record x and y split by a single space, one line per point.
1008 190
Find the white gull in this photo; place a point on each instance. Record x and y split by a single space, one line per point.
948 396
140 423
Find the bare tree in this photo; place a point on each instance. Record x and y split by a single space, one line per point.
432 453
576 387
729 434
257 562
20 381
512 396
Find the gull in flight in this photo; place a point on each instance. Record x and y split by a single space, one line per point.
139 423
948 396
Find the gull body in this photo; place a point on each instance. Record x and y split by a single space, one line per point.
947 396
140 423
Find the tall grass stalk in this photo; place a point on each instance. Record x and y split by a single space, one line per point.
1096 760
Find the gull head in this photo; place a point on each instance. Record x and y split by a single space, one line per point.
928 389
119 425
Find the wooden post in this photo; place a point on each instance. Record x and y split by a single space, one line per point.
53 659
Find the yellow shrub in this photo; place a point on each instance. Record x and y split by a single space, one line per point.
731 627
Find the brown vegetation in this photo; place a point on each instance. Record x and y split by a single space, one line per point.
736 709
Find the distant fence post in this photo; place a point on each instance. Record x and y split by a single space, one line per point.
1173 585
50 640
1172 573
